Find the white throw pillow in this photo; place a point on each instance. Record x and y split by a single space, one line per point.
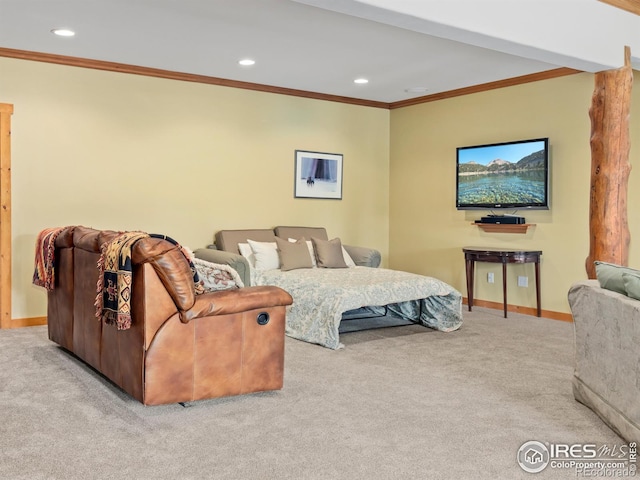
266 254
246 252
347 258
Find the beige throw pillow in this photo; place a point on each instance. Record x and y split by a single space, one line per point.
329 253
293 255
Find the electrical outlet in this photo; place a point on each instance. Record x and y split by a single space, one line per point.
523 281
490 278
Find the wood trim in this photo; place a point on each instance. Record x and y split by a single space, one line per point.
632 6
188 77
185 77
504 227
509 82
28 322
564 317
6 110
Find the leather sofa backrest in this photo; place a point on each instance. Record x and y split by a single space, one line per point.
171 266
166 258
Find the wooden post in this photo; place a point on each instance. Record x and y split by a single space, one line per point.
6 110
610 168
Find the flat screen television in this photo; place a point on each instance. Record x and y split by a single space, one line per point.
509 175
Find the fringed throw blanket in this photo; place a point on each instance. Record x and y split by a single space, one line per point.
115 278
44 275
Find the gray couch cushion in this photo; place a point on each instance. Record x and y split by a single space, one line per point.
607 355
228 240
299 232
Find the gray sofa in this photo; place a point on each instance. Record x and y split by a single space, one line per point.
225 248
607 355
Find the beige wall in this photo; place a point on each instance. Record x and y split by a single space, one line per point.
120 151
427 233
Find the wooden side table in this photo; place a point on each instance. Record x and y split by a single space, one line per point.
499 255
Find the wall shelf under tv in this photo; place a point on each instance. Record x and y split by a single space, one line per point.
504 227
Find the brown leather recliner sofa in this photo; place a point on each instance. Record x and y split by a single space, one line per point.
181 347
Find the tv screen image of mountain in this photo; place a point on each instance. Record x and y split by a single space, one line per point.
510 175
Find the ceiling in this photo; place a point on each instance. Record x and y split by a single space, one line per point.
321 46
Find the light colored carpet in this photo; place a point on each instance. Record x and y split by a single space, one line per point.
396 403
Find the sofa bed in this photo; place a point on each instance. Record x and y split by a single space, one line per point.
606 318
328 280
173 342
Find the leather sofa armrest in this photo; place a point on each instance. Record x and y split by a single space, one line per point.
363 256
236 300
234 260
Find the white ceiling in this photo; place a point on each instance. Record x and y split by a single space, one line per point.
321 46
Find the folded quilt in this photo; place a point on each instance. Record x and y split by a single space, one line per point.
215 276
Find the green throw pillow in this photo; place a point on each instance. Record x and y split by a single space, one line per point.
609 276
632 284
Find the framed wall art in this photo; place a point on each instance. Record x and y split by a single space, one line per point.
318 175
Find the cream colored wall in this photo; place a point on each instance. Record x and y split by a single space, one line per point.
427 233
120 151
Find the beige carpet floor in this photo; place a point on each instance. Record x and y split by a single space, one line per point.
396 403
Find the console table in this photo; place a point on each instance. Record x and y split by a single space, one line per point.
499 255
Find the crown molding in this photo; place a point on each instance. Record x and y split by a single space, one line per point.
189 77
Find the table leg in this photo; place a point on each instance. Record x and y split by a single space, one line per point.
537 267
504 287
470 273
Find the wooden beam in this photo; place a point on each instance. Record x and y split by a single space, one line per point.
6 110
610 144
632 6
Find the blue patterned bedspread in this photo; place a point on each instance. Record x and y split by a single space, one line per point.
321 295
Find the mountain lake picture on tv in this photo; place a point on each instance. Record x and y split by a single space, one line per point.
505 175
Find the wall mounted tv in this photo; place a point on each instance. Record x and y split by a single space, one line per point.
509 175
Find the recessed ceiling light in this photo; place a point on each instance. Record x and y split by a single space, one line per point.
361 81
247 62
416 89
63 32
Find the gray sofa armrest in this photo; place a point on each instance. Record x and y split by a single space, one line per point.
607 355
234 260
363 256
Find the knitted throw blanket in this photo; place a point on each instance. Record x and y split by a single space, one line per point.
44 275
115 278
